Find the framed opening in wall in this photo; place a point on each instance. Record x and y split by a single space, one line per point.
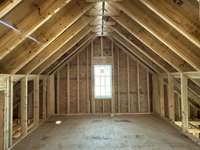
103 81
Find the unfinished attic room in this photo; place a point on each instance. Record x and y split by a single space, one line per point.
99 74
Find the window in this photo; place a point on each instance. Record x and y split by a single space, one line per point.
103 81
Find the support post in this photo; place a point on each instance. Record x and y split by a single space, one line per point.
128 84
184 101
6 110
171 97
51 96
24 105
36 101
2 100
156 104
161 90
148 92
58 92
113 81
138 85
92 78
68 88
44 98
87 76
78 84
11 80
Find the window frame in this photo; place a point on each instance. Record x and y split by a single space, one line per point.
104 97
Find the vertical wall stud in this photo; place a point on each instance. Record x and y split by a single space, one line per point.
51 96
171 98
148 92
92 78
58 92
128 85
184 101
68 88
78 92
2 110
113 81
24 105
156 104
138 85
87 80
36 100
161 91
119 102
44 98
11 81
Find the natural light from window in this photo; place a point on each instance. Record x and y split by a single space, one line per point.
103 81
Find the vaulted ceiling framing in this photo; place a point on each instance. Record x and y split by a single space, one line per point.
164 34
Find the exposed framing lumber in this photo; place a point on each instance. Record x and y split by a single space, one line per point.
118 86
138 75
92 78
11 81
161 95
62 50
68 88
199 9
171 102
132 9
58 91
24 105
165 11
8 6
15 62
128 84
36 101
78 84
113 79
54 46
2 100
5 114
101 39
63 60
148 92
44 81
136 51
51 96
138 86
30 24
133 56
152 43
87 82
156 105
184 102
191 75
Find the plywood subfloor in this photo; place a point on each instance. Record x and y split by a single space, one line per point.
106 133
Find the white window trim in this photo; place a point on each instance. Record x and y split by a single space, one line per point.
103 97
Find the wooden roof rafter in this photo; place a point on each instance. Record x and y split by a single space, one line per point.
143 49
155 45
55 45
7 6
178 21
62 50
134 10
138 52
29 25
16 62
68 56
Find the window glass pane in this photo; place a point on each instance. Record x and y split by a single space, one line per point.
103 81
